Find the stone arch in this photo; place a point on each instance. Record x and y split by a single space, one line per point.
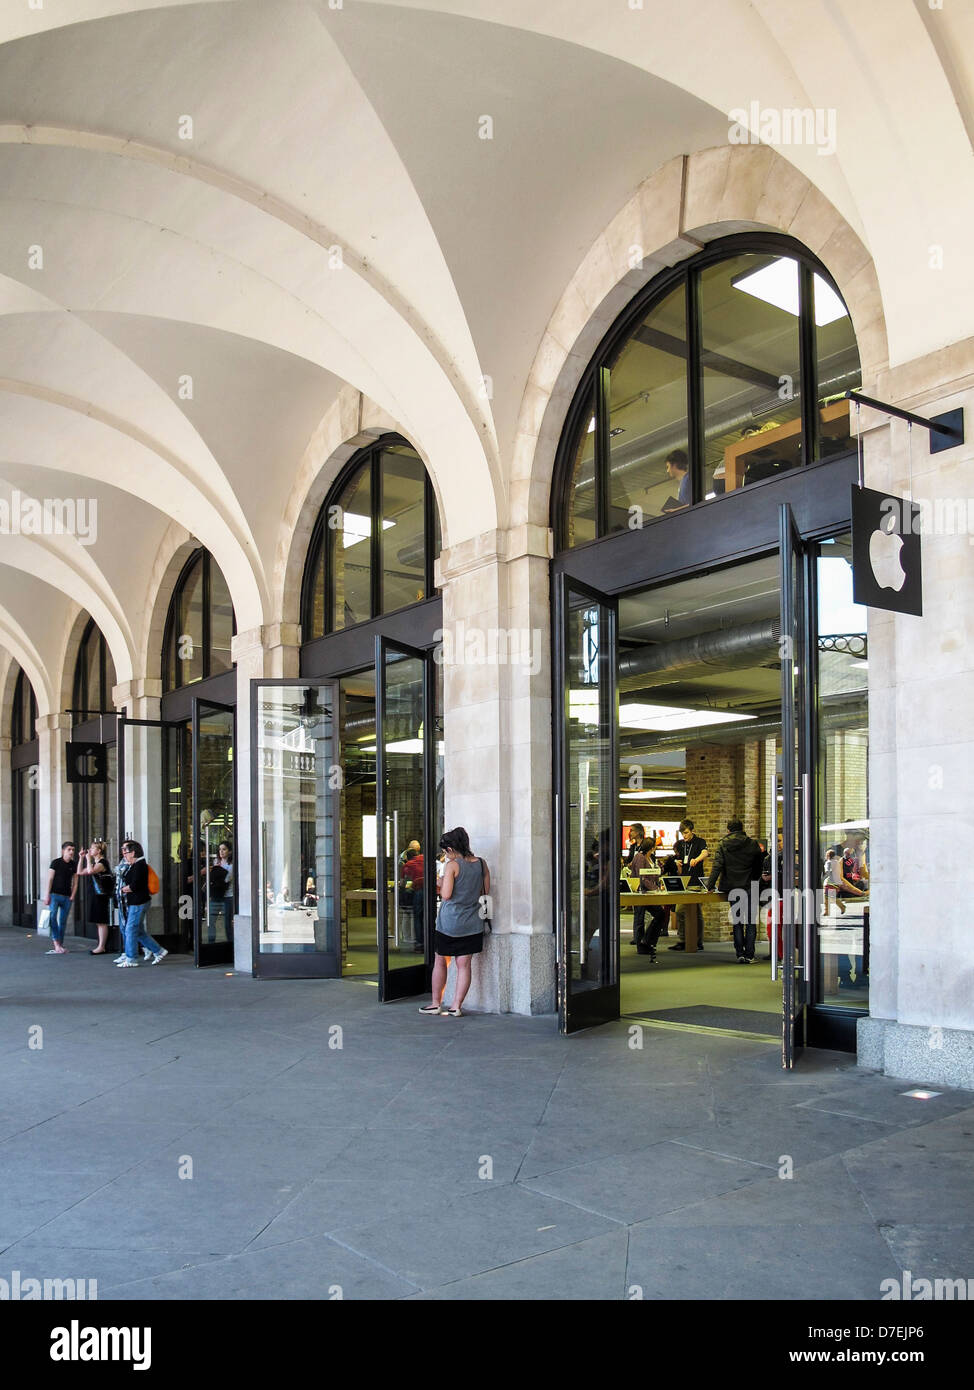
688 202
22 653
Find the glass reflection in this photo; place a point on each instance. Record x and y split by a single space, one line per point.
647 401
750 370
296 749
843 785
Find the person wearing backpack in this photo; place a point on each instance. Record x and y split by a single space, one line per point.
135 889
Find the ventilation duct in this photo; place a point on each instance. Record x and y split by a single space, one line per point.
726 649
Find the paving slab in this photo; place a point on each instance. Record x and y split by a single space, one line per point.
480 1158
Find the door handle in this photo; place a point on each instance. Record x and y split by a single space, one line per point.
807 892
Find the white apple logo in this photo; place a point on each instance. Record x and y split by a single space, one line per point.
884 555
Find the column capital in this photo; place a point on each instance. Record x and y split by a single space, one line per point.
143 688
494 548
264 639
56 722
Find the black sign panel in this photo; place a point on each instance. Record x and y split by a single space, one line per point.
886 552
87 762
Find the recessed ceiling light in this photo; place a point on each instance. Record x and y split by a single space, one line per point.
921 1095
777 284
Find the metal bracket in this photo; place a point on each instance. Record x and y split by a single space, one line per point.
946 431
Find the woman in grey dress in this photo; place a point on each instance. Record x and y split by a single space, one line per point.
459 928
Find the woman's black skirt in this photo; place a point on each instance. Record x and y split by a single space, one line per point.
445 945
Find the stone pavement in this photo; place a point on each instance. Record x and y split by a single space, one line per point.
438 1158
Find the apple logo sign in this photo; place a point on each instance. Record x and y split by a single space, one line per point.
884 553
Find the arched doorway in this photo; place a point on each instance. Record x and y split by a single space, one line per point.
702 502
177 788
348 759
93 720
25 779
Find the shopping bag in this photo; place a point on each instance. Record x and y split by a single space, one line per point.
43 920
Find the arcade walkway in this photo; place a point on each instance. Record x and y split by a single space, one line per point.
606 1169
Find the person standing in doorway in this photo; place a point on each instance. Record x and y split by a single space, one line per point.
414 875
62 884
459 928
689 852
737 872
133 899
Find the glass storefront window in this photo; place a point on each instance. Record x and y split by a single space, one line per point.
838 369
733 374
352 554
374 543
297 757
751 376
200 625
189 634
221 622
647 405
403 533
843 756
581 484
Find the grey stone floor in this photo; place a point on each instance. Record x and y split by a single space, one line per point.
439 1158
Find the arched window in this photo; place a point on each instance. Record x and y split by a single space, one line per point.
199 626
722 372
23 719
94 676
374 542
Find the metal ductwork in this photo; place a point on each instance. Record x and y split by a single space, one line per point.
727 649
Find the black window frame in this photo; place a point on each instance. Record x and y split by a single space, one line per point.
592 392
171 659
324 538
81 707
23 714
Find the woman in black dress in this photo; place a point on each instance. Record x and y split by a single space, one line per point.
94 864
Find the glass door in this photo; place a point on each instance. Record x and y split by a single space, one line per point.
587 835
141 808
214 876
295 793
405 757
26 850
796 878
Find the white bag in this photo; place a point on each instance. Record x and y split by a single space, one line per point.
43 920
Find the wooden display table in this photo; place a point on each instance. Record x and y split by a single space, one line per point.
833 422
688 900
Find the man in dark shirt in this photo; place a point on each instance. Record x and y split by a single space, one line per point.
737 866
689 852
62 884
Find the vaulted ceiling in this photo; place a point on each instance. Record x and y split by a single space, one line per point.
216 216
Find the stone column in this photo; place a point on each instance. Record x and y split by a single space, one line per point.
921 752
271 651
497 736
54 800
